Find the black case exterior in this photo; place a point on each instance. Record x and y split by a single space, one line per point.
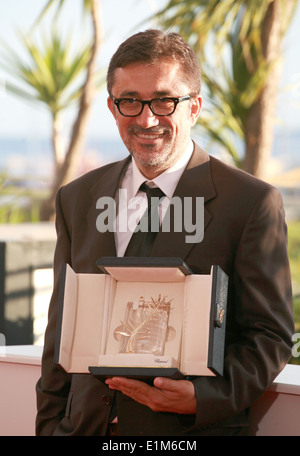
138 373
217 318
143 262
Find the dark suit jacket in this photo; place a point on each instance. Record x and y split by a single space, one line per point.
245 233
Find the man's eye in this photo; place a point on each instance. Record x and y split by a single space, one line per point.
164 102
130 102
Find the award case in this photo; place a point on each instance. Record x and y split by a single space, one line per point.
142 318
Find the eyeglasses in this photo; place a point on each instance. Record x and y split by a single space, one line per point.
164 106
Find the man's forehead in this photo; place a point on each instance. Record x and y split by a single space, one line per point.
156 80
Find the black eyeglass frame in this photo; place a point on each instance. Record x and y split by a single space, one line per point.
175 100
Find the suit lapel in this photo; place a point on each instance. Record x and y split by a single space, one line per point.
104 243
196 181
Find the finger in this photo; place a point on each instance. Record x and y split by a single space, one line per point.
114 383
167 384
122 382
130 387
137 390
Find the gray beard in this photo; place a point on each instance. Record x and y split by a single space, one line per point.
151 160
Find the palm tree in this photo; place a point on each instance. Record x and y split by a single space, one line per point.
242 93
67 169
48 76
57 79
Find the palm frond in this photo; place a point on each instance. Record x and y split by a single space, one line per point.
46 9
50 70
227 38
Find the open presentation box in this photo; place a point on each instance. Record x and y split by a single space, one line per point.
142 317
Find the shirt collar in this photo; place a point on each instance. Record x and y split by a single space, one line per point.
166 181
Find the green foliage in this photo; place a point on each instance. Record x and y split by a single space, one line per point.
87 6
13 213
18 205
227 37
294 256
294 253
51 72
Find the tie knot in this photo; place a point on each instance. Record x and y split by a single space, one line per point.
143 238
151 191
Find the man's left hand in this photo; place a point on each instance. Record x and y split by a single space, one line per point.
166 395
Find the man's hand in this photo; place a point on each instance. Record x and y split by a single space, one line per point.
175 396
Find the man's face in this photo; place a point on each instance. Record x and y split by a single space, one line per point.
155 142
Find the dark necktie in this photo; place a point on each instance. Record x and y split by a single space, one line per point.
146 231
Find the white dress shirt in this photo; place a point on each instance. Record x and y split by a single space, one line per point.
132 202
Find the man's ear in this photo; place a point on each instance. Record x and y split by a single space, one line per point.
111 106
196 105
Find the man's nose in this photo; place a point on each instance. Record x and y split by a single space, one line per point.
147 119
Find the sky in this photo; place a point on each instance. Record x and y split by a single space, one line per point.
121 18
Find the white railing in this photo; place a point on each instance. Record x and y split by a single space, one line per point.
276 413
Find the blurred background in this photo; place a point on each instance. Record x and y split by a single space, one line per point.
55 125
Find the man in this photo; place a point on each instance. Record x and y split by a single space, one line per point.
154 95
